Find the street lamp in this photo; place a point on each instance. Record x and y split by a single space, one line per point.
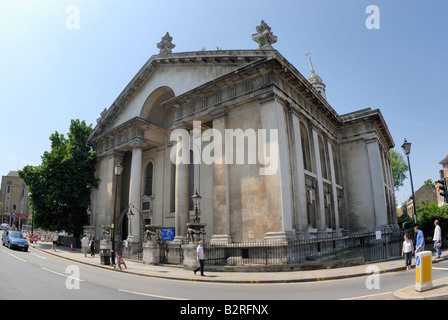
406 146
196 200
32 220
118 169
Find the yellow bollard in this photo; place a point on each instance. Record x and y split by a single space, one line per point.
423 271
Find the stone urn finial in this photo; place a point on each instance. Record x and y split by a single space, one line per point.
166 44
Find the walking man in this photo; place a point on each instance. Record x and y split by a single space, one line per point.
85 244
437 238
201 258
420 243
55 240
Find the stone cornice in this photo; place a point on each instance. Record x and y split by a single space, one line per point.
272 71
363 118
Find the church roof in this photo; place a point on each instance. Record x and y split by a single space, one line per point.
243 62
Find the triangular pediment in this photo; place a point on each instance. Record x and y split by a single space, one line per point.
206 64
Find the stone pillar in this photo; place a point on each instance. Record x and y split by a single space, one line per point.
277 180
221 198
376 175
334 191
151 252
321 224
299 187
135 189
182 201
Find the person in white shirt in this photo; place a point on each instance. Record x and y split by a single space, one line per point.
85 244
55 240
201 258
407 252
437 238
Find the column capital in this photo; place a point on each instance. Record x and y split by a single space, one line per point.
138 143
371 139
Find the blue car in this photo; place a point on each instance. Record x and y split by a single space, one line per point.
14 239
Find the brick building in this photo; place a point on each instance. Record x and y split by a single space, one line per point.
14 197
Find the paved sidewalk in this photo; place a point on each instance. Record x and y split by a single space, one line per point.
440 290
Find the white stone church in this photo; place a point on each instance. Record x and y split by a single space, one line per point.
332 173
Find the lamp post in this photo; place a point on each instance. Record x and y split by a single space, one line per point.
32 220
131 216
196 200
406 146
117 171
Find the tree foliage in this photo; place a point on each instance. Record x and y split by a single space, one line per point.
60 186
427 214
399 168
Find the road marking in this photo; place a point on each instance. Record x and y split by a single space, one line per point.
440 268
150 295
38 256
368 296
14 256
61 274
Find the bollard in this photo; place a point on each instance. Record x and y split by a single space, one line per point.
423 271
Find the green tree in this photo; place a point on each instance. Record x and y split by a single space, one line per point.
427 214
399 168
60 186
429 184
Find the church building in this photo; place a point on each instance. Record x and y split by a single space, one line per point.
266 152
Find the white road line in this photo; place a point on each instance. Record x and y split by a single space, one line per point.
15 256
440 268
38 256
150 295
368 296
61 274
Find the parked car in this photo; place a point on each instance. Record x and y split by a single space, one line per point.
4 226
14 239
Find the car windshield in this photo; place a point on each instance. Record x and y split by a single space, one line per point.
16 234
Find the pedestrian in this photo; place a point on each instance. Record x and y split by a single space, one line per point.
85 244
55 240
420 243
437 238
92 247
201 258
407 252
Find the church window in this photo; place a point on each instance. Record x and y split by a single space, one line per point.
149 179
305 148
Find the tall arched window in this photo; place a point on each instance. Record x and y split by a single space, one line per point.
305 148
149 179
323 159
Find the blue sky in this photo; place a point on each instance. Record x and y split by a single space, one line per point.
50 74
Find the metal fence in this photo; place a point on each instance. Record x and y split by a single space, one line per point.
170 253
303 251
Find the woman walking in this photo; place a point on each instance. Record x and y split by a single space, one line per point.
407 252
92 247
437 238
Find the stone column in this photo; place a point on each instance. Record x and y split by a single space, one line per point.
321 224
334 191
376 175
135 189
182 201
221 198
299 187
277 180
